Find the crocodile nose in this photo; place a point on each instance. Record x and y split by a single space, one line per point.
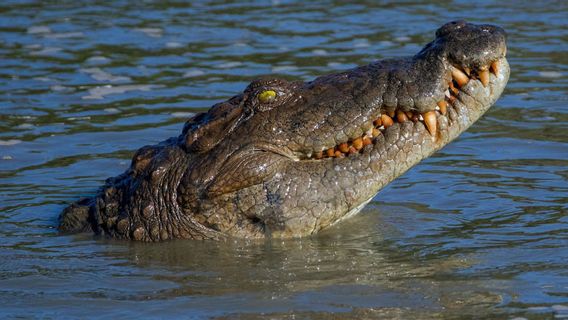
450 27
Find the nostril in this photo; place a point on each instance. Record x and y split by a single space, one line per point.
458 24
450 27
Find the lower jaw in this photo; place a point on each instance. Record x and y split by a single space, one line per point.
404 145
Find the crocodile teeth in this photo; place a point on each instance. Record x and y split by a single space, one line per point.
375 133
430 121
453 90
358 144
401 116
387 121
443 105
484 77
378 122
460 77
495 67
330 152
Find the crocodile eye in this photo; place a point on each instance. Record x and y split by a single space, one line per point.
267 96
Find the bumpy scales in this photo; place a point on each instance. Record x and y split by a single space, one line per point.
287 159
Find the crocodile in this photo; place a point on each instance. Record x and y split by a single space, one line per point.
287 159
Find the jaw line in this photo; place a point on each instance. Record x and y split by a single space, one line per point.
472 92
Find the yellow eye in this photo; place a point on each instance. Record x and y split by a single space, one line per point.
267 96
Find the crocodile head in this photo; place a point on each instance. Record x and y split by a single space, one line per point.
287 159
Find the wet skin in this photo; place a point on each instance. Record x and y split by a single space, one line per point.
287 159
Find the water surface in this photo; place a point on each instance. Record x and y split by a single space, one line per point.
478 230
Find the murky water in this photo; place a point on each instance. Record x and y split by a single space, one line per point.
479 230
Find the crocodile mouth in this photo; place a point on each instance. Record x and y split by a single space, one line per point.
460 78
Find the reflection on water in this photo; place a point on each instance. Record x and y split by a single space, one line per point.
478 230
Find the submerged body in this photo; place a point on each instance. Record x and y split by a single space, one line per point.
287 159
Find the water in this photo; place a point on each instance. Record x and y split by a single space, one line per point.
478 230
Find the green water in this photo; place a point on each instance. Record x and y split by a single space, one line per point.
480 230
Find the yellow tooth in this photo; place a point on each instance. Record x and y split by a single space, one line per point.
467 71
330 152
411 116
339 154
443 106
453 89
358 143
401 116
460 77
344 147
367 141
495 67
391 113
484 77
431 122
377 122
387 121
376 132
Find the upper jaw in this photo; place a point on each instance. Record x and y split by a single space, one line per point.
474 90
428 83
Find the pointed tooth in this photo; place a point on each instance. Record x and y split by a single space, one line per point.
431 122
330 152
376 132
344 147
443 105
401 116
495 67
391 113
352 150
358 144
378 122
484 77
467 71
453 89
460 77
387 121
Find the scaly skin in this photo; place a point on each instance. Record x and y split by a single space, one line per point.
287 159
